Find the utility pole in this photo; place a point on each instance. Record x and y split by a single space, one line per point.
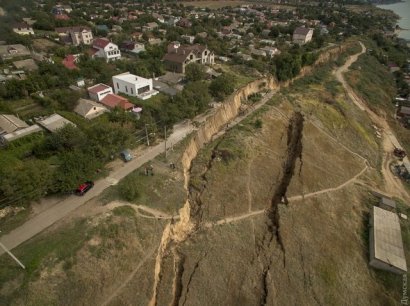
12 256
146 133
165 142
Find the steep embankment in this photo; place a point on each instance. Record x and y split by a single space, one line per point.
190 214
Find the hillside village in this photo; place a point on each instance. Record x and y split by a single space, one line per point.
146 66
87 86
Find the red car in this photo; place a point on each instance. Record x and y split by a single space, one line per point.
83 188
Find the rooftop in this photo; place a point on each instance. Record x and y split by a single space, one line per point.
100 43
10 123
54 122
98 88
130 78
113 100
84 106
302 31
388 245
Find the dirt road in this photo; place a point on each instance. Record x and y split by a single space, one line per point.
393 185
61 209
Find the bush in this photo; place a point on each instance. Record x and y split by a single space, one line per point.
257 124
128 190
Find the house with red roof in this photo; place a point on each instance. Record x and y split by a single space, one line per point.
99 91
112 101
70 61
104 48
62 17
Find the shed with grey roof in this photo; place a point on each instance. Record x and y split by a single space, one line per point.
10 124
54 122
386 245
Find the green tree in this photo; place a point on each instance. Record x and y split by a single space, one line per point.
25 183
195 72
222 86
197 94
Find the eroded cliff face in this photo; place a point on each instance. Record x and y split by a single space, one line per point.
189 221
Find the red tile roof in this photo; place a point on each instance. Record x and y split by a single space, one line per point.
62 17
113 100
69 62
100 43
97 88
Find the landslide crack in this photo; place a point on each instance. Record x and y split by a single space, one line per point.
179 261
293 152
190 279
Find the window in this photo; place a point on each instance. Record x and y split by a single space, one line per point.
118 86
126 88
132 91
206 52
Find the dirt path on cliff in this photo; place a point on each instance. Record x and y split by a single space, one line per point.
393 185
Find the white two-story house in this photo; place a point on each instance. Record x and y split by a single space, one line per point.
103 48
302 35
23 28
133 85
75 35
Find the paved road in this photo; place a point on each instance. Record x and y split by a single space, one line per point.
48 217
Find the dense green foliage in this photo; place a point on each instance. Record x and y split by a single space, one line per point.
195 72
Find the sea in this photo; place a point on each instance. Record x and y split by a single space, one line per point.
403 10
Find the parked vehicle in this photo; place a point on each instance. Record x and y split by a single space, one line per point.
399 153
126 155
83 188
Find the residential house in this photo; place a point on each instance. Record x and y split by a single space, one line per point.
150 26
132 46
158 17
10 124
26 65
202 34
116 28
258 52
265 33
188 38
12 128
184 23
268 42
61 9
54 122
61 17
270 51
178 56
133 85
152 40
89 109
112 101
70 61
172 20
75 35
103 48
29 21
99 91
302 35
136 36
23 28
